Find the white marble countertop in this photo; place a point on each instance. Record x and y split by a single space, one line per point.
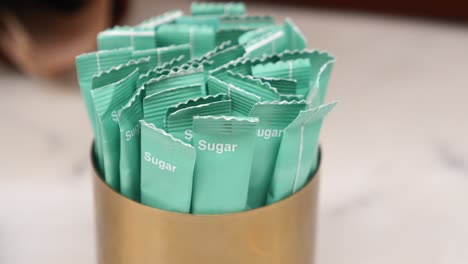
395 168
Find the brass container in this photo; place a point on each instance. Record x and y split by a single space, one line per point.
132 233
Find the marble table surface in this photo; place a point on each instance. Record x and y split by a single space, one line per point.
395 167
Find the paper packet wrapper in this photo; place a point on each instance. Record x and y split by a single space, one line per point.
177 77
165 18
160 56
130 142
201 38
273 117
179 118
298 153
111 91
275 40
126 36
321 64
93 63
205 8
224 147
167 166
155 105
139 37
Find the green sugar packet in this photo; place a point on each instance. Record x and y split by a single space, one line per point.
104 79
167 167
222 54
201 38
273 117
282 85
245 21
193 75
298 69
238 24
126 36
159 56
231 28
166 18
298 153
255 33
90 64
180 122
204 8
321 65
229 34
130 128
211 21
292 97
109 97
252 85
270 43
242 101
160 70
224 147
155 105
195 102
275 40
196 65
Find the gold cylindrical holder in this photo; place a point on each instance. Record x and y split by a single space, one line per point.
131 233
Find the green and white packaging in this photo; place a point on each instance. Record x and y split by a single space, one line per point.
90 64
166 18
130 128
180 122
103 79
256 33
211 21
211 113
282 85
269 43
111 91
159 56
231 28
252 85
298 153
201 38
275 40
204 8
229 34
245 21
195 102
126 36
160 70
298 69
273 117
223 54
167 167
242 101
155 105
224 147
321 67
193 75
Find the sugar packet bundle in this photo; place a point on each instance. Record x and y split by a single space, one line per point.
210 113
320 66
255 98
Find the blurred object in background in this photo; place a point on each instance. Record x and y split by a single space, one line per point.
452 10
42 37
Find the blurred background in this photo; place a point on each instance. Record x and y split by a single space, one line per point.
395 167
